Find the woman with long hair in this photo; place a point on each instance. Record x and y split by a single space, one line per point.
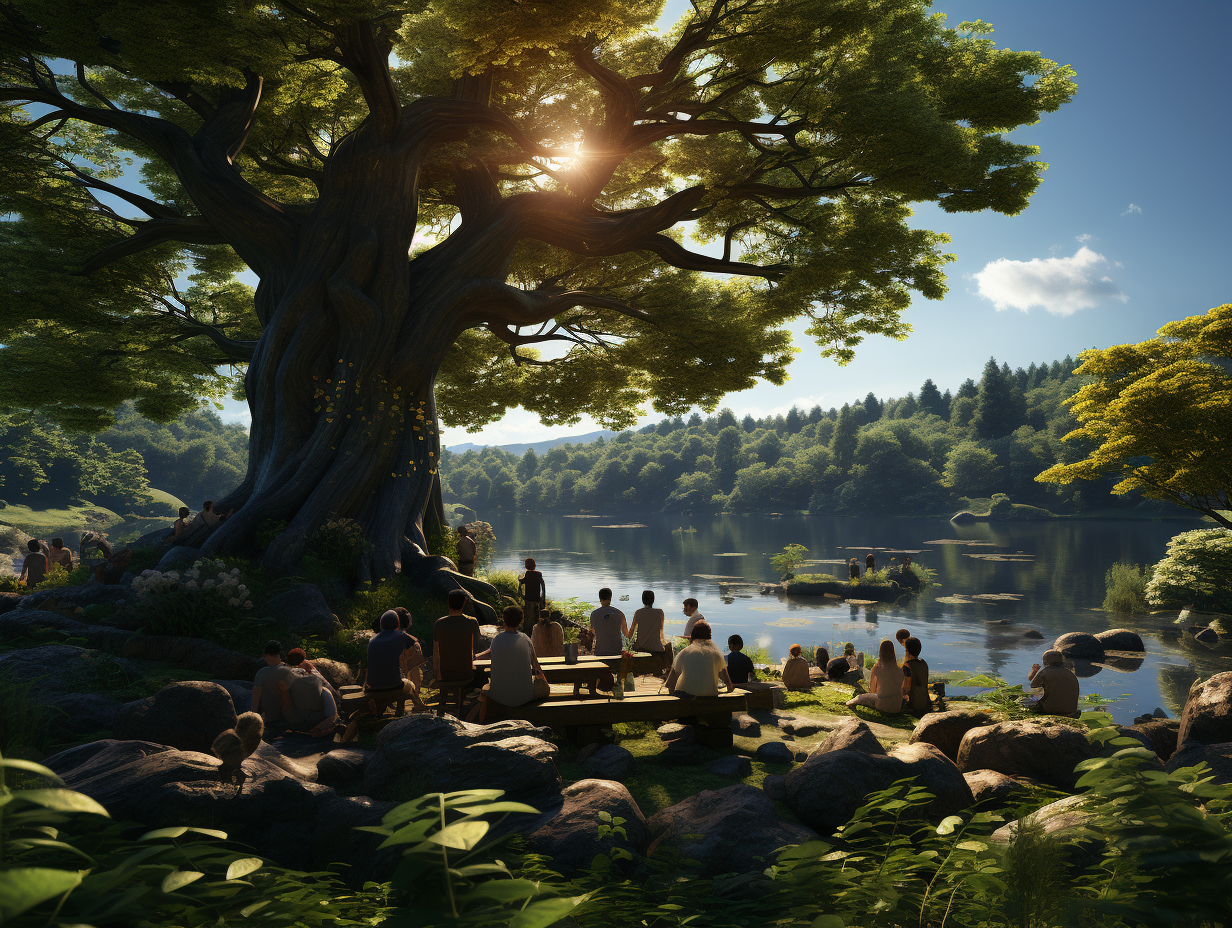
885 684
646 630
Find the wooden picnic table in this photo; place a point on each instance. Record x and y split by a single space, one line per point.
642 662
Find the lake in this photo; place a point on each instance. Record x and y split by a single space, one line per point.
1057 567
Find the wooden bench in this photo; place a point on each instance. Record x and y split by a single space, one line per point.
641 663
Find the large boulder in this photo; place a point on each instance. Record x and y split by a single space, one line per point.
853 735
829 786
1080 646
729 830
1068 817
152 539
187 715
1120 639
68 678
1207 718
571 836
177 557
1216 756
298 824
774 752
610 762
342 766
336 672
27 622
1162 734
241 693
195 654
428 754
946 729
78 597
304 609
990 788
1028 749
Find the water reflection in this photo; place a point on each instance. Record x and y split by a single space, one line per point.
1057 568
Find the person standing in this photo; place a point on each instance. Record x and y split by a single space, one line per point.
698 669
34 567
609 625
853 569
646 630
870 563
468 551
534 593
692 617
915 679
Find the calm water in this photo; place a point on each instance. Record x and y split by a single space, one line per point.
1059 573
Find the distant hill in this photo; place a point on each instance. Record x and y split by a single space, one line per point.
539 446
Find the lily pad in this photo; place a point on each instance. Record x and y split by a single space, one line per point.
997 597
956 600
733 554
963 541
861 602
790 622
628 525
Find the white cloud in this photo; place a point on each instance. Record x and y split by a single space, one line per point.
1062 286
1132 208
1084 237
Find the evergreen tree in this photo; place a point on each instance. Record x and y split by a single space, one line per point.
726 450
793 422
947 398
695 421
968 390
748 423
815 414
726 419
907 407
999 408
528 466
872 408
930 400
843 442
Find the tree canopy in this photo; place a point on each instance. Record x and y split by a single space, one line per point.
1157 414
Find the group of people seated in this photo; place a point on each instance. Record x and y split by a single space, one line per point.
293 696
41 559
186 522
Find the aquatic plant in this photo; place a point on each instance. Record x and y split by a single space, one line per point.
1126 589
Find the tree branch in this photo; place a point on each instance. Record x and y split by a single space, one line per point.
677 255
366 55
193 230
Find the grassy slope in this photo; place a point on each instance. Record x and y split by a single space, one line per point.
39 522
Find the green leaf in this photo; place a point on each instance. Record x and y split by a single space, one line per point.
31 766
22 888
255 907
827 921
63 800
177 879
971 845
460 835
546 912
948 824
243 867
176 831
505 890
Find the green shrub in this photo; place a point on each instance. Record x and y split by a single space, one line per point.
506 581
339 544
27 727
206 600
791 558
1195 572
1126 589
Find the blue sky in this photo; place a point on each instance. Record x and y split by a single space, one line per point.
1128 230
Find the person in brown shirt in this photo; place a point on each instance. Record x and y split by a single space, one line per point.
467 551
455 639
915 679
1059 683
534 593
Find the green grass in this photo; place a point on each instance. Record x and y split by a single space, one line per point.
831 699
162 498
40 522
1125 586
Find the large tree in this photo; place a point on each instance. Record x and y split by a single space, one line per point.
1159 415
425 193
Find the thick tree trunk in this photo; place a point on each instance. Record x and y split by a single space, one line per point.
341 385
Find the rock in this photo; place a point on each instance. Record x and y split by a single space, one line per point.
610 762
775 787
1083 668
336 672
729 830
586 751
305 610
298 824
803 727
178 556
1159 713
65 677
827 788
684 754
946 729
429 754
1033 634
342 766
1207 718
746 725
988 787
1066 816
774 752
674 731
1163 735
854 735
78 597
570 837
26 622
194 654
87 713
1080 645
1044 752
1120 639
152 539
1207 636
733 765
241 693
1216 756
187 715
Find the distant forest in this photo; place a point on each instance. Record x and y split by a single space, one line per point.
923 453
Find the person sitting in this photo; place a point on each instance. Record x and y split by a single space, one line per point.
870 563
313 709
58 555
886 683
455 638
901 637
915 679
837 669
699 667
1060 685
855 663
467 551
516 677
609 625
384 681
548 636
208 517
271 688
739 668
179 526
796 671
534 592
821 658
853 569
413 658
297 659
111 570
34 567
646 630
692 617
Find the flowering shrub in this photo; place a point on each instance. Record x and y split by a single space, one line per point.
204 577
207 595
338 544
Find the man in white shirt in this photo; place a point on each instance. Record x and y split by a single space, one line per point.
609 624
515 675
698 669
692 616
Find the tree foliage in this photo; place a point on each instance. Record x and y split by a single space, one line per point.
1159 415
1194 572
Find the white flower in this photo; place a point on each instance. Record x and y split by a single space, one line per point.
233 602
208 585
243 590
235 572
190 585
